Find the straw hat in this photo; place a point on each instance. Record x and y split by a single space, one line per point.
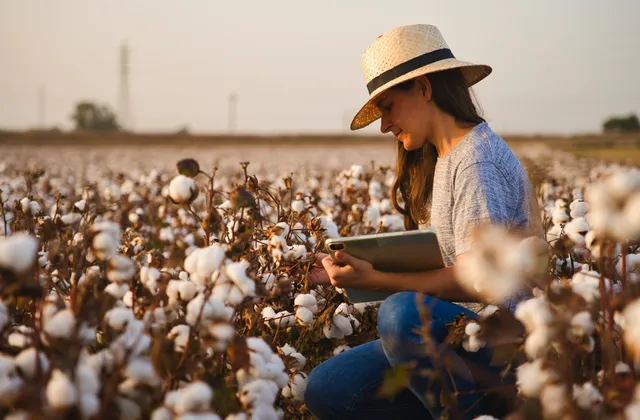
402 54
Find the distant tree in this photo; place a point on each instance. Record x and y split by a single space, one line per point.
94 117
622 124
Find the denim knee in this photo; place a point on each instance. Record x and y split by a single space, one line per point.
397 317
314 393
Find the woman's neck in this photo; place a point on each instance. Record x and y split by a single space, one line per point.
447 133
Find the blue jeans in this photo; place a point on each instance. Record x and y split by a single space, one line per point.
345 386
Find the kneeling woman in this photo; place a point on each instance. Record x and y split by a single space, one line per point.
453 174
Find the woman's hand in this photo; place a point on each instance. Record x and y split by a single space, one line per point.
318 275
355 273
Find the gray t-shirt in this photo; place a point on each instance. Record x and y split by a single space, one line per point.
479 181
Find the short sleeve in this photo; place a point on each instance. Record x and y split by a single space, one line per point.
480 194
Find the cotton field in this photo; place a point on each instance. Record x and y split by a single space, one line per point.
137 289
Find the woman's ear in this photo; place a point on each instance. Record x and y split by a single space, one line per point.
425 87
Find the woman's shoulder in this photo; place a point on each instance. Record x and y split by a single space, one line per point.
483 145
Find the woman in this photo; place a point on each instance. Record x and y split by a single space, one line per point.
454 174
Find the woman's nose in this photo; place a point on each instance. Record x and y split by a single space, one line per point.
385 125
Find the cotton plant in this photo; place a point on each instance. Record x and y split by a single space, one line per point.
615 205
191 401
260 383
306 306
213 275
342 323
501 265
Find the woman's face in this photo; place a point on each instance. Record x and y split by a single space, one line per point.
407 114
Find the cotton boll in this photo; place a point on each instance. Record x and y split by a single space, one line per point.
268 280
180 336
213 308
533 313
27 363
142 371
70 218
537 342
632 267
307 300
581 324
297 206
554 400
295 252
180 290
554 234
88 383
268 313
344 309
21 338
631 212
264 412
60 391
532 377
578 208
587 285
149 277
128 299
393 222
237 272
296 387
10 382
304 316
120 269
161 413
24 204
18 252
198 416
117 290
587 396
4 316
61 325
89 405
80 205
223 333
288 350
559 215
576 229
331 229
182 189
118 318
632 411
284 319
343 323
259 391
194 397
104 245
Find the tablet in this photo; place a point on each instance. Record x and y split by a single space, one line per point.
406 251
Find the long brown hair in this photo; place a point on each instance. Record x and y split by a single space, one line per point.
415 169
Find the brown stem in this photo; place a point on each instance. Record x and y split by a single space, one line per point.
4 216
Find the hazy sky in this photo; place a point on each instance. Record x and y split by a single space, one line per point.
559 65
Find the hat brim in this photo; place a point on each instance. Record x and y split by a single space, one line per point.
473 73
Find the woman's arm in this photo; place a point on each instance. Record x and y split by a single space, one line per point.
441 283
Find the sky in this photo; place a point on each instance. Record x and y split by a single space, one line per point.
559 67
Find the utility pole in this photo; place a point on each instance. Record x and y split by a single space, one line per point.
124 106
233 112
